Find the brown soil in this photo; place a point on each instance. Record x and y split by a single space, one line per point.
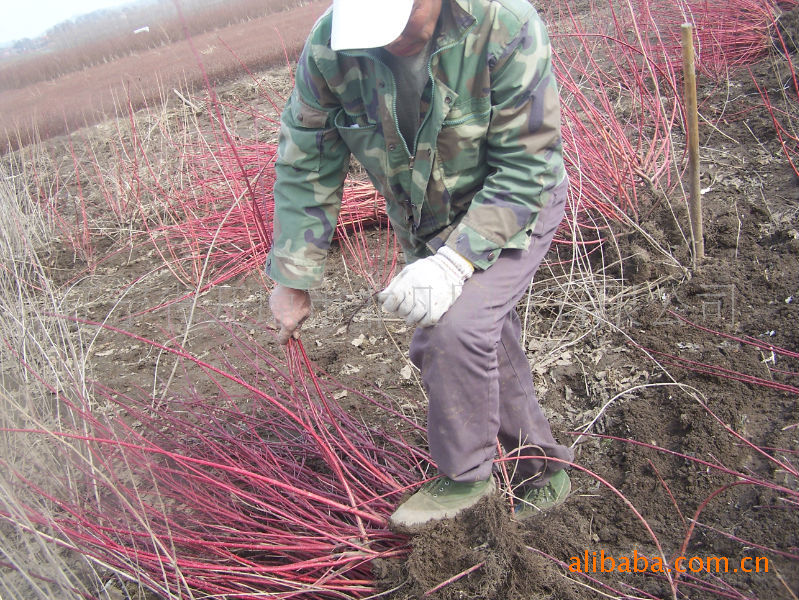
788 25
484 538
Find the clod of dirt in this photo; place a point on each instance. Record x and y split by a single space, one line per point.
485 534
638 266
788 28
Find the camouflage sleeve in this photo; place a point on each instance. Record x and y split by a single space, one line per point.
310 169
524 148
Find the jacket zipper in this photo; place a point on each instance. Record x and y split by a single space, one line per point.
430 75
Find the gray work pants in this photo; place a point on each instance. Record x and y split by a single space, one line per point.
476 373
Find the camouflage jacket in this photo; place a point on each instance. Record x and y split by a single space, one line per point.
486 158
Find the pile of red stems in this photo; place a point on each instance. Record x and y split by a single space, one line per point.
270 489
208 226
727 35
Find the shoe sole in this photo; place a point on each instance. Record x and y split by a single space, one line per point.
414 529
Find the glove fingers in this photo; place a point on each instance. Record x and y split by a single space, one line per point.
392 301
406 306
387 301
417 313
391 297
424 290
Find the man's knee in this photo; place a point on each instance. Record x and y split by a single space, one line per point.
452 336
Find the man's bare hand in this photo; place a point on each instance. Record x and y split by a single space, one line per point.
290 308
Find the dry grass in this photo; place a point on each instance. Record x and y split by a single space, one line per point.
43 365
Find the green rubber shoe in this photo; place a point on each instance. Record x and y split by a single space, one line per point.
441 498
537 500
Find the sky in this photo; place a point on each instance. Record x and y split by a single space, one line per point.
31 18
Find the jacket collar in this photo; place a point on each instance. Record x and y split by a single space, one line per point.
454 20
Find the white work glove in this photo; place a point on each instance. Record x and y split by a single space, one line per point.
424 290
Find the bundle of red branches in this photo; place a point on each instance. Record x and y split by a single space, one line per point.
224 216
270 489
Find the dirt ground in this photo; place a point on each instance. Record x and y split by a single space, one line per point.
635 379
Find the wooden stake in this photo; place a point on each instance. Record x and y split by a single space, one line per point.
692 118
